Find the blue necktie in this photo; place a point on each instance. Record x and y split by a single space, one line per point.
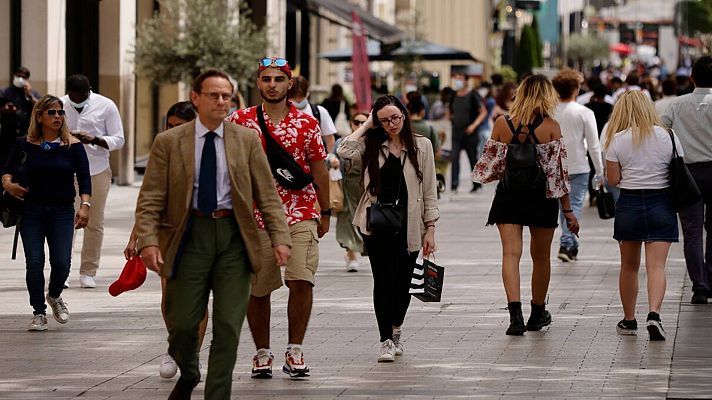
207 186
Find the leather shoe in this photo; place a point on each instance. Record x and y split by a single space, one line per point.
183 389
699 296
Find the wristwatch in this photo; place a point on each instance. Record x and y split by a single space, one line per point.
85 203
326 213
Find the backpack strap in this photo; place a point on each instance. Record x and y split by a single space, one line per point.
315 112
515 132
532 127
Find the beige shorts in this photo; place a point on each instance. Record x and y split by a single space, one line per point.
301 266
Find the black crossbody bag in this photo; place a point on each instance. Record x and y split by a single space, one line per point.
387 218
285 170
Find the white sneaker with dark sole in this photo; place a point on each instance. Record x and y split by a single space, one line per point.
262 364
294 364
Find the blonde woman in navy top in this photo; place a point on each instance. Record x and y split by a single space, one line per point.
40 172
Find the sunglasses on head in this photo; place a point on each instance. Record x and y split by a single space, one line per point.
273 62
53 112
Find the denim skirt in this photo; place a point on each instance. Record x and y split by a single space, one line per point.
645 215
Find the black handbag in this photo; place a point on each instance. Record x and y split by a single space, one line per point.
684 190
285 170
606 205
11 207
387 218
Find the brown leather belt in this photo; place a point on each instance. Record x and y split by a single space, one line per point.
217 214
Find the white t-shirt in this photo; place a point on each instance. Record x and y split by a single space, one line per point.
646 166
325 123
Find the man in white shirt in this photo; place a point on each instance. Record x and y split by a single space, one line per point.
580 135
95 121
690 116
299 95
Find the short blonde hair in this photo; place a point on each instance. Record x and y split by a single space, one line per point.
534 97
34 132
635 111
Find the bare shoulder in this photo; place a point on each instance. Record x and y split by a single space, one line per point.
549 130
499 129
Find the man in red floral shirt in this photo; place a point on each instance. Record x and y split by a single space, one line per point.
300 136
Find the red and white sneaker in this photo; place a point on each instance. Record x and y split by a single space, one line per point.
294 363
262 364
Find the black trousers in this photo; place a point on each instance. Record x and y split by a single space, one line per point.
468 143
392 268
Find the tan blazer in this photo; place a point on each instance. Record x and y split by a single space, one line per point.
165 202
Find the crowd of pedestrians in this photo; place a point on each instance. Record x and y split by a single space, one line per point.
233 195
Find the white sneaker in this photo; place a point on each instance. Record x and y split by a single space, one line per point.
168 368
66 284
352 266
87 281
39 323
388 351
59 309
396 341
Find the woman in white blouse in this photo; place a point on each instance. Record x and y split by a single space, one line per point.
638 154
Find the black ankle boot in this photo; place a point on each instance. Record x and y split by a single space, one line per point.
539 318
516 320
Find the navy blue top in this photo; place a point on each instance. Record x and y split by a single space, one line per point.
48 175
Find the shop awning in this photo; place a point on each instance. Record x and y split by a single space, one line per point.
420 49
375 28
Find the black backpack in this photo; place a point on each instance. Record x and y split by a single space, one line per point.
522 171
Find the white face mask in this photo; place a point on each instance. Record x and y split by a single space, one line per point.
458 84
410 88
301 104
82 104
18 81
482 92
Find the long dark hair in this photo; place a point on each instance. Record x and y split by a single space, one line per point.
375 138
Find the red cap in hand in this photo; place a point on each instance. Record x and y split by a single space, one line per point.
133 276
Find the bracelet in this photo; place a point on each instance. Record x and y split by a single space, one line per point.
567 211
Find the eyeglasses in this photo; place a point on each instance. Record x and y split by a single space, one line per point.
215 96
392 120
358 122
273 62
53 112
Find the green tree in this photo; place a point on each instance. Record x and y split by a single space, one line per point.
693 17
189 36
526 57
508 73
585 48
539 44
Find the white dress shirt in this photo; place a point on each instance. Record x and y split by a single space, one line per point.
99 118
690 116
579 134
222 180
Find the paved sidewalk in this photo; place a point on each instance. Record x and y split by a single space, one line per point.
454 349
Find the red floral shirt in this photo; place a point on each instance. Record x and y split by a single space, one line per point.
300 135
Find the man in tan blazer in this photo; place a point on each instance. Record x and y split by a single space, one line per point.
195 226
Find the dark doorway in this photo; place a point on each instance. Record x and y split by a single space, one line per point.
83 40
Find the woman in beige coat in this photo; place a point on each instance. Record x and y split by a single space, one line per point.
398 168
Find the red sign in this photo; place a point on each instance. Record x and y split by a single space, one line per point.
359 65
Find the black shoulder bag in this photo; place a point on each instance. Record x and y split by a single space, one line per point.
685 192
387 218
285 170
10 207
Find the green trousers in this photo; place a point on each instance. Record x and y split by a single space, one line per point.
214 258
